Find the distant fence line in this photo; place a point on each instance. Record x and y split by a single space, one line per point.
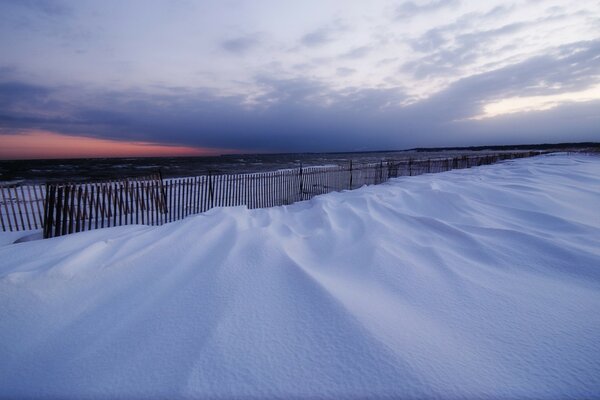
61 209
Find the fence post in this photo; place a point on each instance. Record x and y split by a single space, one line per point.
163 192
6 207
49 210
24 199
59 206
301 186
72 209
2 217
350 175
210 189
78 214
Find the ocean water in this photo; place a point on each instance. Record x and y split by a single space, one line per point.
89 170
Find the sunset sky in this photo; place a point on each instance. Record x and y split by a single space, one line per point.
180 77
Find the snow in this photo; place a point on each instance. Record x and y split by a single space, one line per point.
470 283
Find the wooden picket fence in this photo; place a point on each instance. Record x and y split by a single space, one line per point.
62 209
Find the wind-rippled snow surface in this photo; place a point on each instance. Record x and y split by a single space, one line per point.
472 283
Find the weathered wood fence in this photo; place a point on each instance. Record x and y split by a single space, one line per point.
67 208
71 208
22 207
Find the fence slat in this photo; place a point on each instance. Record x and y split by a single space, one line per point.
72 210
170 188
39 208
48 211
2 189
2 218
121 205
109 203
158 205
41 198
219 190
84 215
12 206
78 212
179 198
59 207
211 191
30 201
94 210
144 203
187 198
206 193
247 190
137 202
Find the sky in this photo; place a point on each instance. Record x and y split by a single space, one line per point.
179 77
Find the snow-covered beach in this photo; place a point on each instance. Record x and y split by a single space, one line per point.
482 282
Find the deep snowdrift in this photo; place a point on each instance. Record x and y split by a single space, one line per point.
480 282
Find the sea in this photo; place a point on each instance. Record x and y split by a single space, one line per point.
99 169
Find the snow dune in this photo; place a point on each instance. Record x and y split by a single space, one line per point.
469 283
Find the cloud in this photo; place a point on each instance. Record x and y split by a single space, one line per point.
44 7
409 9
325 34
317 37
445 52
299 114
569 122
570 68
342 71
290 115
449 48
356 53
17 99
242 44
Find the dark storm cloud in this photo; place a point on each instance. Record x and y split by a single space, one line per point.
6 70
308 115
409 9
13 93
22 103
292 115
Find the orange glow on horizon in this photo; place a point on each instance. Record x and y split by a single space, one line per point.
41 144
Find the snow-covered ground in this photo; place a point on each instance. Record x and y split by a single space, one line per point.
478 282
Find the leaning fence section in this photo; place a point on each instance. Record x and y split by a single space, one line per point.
21 207
78 207
60 209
